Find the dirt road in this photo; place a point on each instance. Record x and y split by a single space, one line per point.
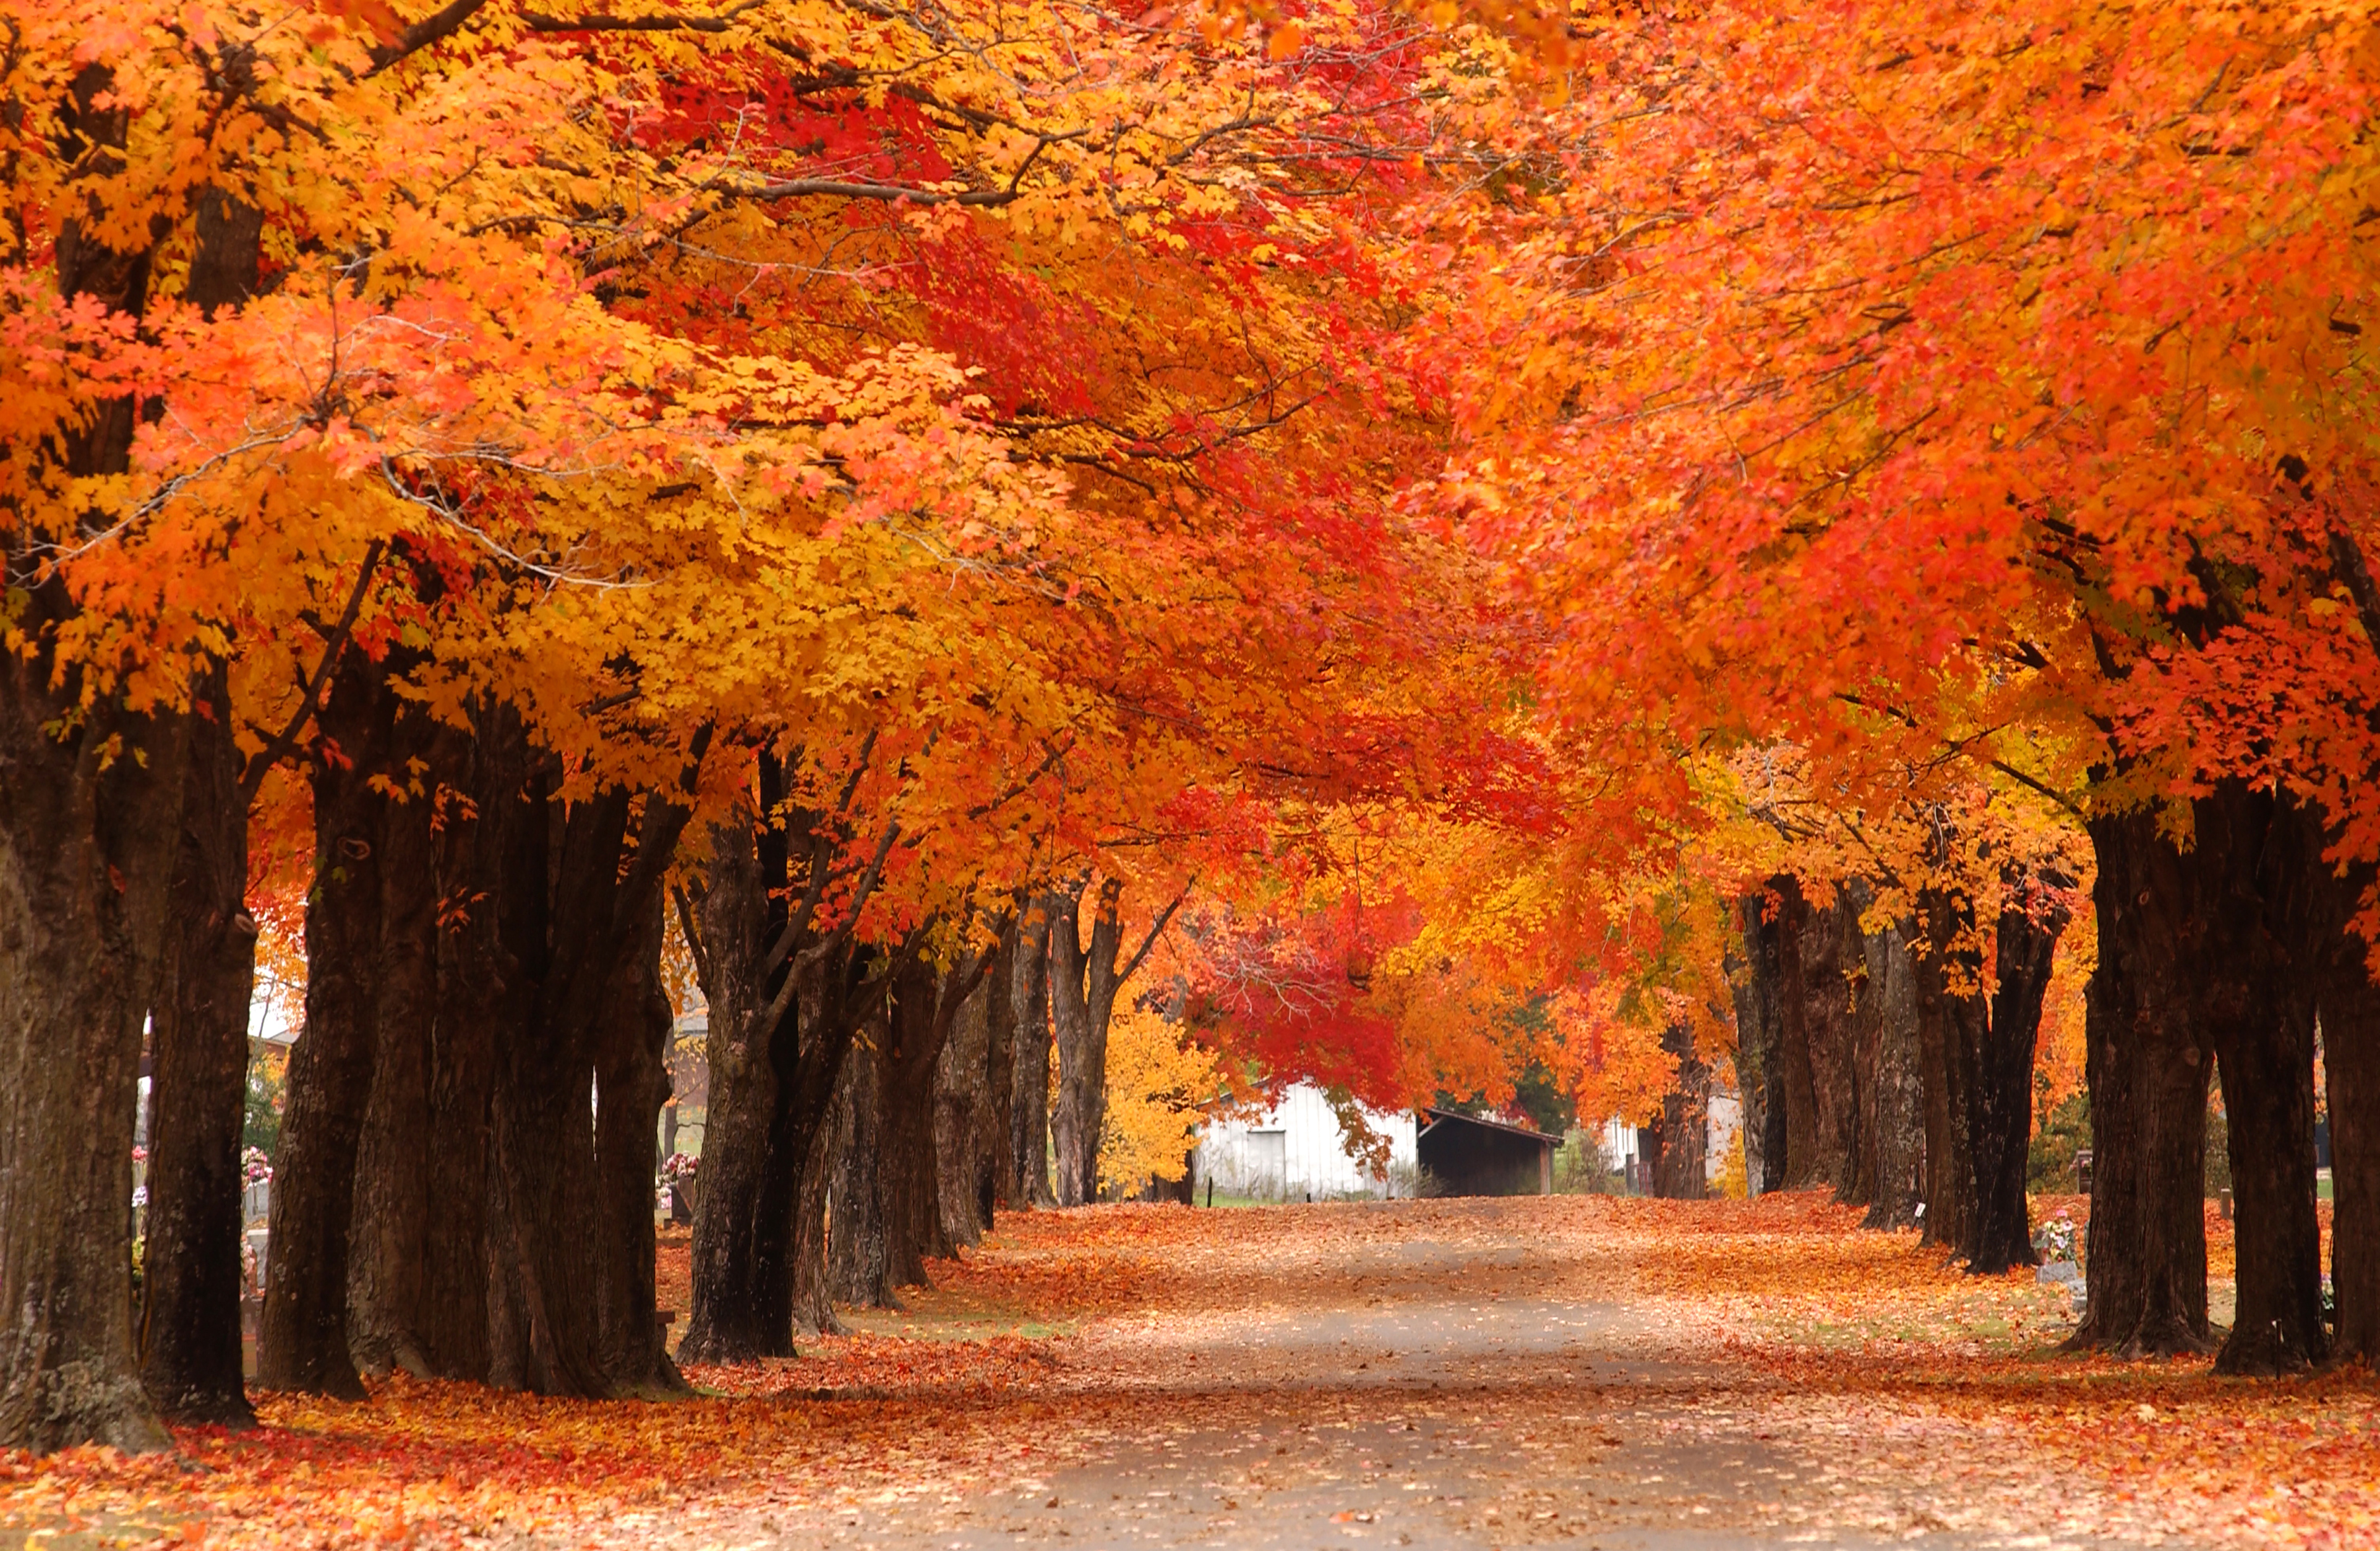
1440 1374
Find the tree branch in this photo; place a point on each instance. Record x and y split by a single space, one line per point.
334 645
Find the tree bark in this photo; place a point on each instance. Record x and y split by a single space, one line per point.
481 989
189 1325
389 1256
1679 1147
743 1216
1759 1062
907 1172
1894 1135
1028 998
995 1136
859 1260
190 1333
87 837
1948 980
813 1283
2347 1002
777 1055
303 1342
87 846
2146 1070
1822 1136
1082 983
632 1083
1999 1229
589 937
2256 1007
2349 1005
962 1109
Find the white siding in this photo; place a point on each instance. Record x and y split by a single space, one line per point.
1295 1149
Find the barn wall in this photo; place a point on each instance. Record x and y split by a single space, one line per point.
1295 1148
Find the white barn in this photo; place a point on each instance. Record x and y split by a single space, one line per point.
1295 1149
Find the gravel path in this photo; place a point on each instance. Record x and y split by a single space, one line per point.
1421 1392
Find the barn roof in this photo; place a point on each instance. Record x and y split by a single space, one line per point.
1436 1114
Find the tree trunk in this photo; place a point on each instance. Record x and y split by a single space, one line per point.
1029 1088
995 1136
2000 1114
1947 979
388 1293
2256 1008
89 796
1082 983
777 1054
2349 1003
303 1343
1895 1110
813 1281
1822 1136
632 1082
1678 1157
87 847
189 1332
481 989
2351 1038
859 1257
907 1173
1759 1061
743 1217
2146 1068
189 1326
961 1108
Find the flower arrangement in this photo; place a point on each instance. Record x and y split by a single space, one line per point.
680 1168
2056 1240
255 1168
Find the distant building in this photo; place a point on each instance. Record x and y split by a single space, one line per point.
1296 1149
1470 1154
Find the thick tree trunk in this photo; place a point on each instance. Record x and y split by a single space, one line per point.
1951 1021
776 1059
2146 1068
189 1334
907 1172
859 1257
995 1137
1818 951
743 1219
87 846
2256 1007
1679 1155
2350 1040
1895 1111
1999 1232
632 1081
188 1330
303 1343
1082 983
88 841
961 1108
813 1281
389 1254
1759 1063
481 989
2349 1002
1028 998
